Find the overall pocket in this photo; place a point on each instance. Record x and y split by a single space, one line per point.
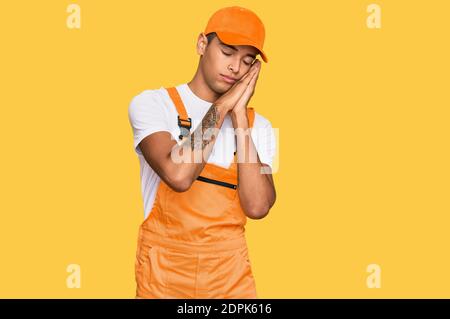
143 270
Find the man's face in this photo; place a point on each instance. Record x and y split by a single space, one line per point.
224 64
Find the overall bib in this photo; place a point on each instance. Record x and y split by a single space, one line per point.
192 244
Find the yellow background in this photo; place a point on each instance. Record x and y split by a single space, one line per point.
363 117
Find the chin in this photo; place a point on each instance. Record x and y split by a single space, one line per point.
221 87
224 86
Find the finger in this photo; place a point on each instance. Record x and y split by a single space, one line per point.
240 86
252 69
249 89
245 77
251 86
249 73
241 80
252 73
252 83
254 77
257 64
238 89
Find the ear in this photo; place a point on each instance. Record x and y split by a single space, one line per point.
202 42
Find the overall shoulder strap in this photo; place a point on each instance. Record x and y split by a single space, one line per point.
251 116
184 121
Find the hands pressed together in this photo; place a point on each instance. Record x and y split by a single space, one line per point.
236 99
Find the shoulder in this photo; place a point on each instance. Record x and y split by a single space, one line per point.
261 121
148 97
147 101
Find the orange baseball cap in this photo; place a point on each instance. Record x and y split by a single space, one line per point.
238 26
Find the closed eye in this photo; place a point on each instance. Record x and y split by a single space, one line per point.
228 54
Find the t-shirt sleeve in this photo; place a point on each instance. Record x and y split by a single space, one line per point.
264 138
147 115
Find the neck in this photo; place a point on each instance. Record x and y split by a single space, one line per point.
199 87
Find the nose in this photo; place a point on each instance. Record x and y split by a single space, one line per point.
234 66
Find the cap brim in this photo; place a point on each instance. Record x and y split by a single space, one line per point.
236 39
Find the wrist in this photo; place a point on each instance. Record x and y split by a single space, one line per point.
222 109
239 118
239 112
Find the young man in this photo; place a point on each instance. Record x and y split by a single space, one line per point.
205 161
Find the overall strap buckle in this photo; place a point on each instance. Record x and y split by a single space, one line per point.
185 127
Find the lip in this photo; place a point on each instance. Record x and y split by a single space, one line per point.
228 79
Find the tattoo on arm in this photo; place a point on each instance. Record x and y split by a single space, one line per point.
198 138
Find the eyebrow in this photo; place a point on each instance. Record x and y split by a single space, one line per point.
234 48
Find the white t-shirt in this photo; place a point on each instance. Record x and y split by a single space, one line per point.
153 111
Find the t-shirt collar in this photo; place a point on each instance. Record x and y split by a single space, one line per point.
189 92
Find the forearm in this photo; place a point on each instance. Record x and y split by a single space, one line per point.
256 191
189 158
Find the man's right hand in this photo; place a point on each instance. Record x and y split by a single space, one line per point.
230 98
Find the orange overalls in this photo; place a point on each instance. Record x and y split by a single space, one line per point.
192 244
